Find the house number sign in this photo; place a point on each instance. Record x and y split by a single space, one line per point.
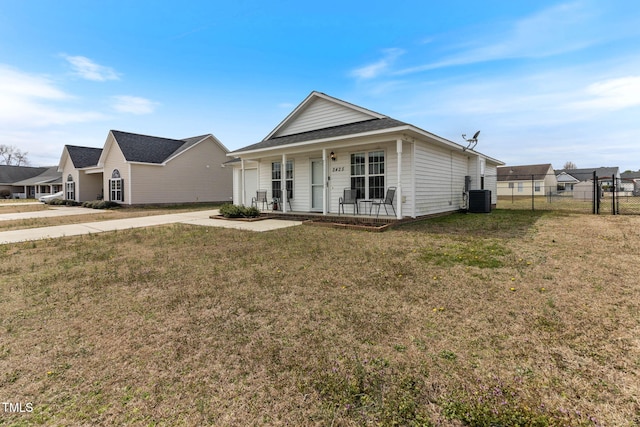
338 169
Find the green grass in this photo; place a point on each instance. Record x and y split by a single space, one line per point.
188 325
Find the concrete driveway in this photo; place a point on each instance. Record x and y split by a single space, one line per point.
195 218
48 213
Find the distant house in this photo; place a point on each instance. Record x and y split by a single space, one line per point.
579 182
326 146
24 182
525 180
631 182
135 169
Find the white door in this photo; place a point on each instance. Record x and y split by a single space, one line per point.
317 185
250 185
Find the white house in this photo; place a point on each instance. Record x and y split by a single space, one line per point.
539 180
326 145
135 169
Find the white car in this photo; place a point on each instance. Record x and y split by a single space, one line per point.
50 197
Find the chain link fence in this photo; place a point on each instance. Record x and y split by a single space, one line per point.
599 195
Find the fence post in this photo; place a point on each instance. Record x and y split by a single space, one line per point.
533 194
595 195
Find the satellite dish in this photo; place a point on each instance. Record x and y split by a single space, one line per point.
471 141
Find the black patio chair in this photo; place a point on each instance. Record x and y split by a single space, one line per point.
388 200
350 197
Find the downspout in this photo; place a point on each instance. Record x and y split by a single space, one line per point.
399 182
413 180
129 186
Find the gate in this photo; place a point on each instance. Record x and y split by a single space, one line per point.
625 197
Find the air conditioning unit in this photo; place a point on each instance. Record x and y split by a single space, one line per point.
479 201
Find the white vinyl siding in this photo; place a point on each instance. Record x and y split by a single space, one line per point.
439 179
320 114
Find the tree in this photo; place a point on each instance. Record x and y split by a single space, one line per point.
10 155
569 165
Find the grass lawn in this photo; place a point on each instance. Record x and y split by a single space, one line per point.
509 318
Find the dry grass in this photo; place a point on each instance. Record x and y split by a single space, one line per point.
511 318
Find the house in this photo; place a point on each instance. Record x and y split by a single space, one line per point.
631 182
605 175
539 180
566 182
22 182
326 145
135 169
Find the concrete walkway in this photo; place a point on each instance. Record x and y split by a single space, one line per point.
51 212
195 218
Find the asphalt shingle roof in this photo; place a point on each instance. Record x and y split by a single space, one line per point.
587 173
49 176
150 149
83 157
330 132
524 172
10 174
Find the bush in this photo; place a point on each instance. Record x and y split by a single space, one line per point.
235 211
100 204
60 202
5 193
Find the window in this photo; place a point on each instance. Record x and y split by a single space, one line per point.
116 187
276 178
511 185
520 187
537 186
70 188
367 174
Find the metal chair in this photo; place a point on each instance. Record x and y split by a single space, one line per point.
261 197
350 197
388 200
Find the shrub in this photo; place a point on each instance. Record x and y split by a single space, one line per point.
235 211
5 193
100 204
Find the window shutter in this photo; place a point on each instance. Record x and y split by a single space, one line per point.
122 190
109 191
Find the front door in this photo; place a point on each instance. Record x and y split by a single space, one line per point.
250 185
317 185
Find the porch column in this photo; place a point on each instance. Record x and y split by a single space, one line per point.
324 182
283 183
399 184
242 200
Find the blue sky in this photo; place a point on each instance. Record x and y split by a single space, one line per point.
544 81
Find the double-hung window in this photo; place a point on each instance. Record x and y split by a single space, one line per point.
367 174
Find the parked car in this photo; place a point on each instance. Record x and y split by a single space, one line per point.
56 196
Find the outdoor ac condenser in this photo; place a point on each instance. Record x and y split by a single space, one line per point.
480 201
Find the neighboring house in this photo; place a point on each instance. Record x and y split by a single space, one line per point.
135 169
326 145
82 179
539 180
631 182
29 182
566 182
604 175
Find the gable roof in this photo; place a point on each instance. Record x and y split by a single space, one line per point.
83 157
319 110
524 172
154 149
586 174
10 174
48 176
330 132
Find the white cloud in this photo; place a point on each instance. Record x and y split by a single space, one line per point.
134 105
560 29
611 94
28 100
374 70
89 70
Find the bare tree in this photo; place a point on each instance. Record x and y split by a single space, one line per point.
569 165
10 155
